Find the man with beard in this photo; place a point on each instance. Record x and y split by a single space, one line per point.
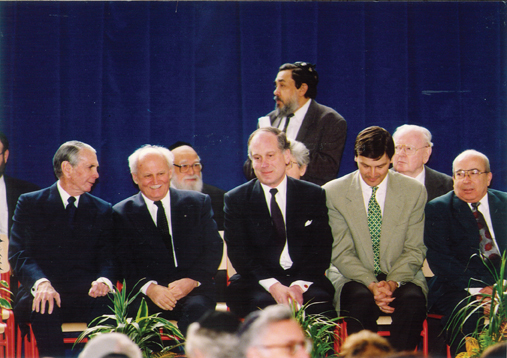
10 189
188 176
320 128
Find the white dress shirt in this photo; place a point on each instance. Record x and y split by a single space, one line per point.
285 260
4 209
295 122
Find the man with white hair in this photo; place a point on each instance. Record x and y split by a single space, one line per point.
168 240
188 176
413 149
273 332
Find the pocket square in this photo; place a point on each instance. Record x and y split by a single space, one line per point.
308 222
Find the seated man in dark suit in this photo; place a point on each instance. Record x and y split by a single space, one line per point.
413 149
10 188
277 234
320 128
61 250
168 239
455 243
188 176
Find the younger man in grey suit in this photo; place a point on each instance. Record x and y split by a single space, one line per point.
377 219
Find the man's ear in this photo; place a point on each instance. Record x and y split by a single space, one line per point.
6 155
66 168
134 178
303 89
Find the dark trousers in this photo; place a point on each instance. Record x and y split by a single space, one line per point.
47 328
447 305
361 312
244 296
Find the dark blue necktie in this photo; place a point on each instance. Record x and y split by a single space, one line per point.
71 210
163 226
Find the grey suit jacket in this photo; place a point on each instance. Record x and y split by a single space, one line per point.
437 183
402 250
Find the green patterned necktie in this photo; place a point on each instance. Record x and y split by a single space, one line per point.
375 225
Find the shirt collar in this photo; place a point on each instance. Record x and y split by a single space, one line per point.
382 187
65 196
282 188
166 201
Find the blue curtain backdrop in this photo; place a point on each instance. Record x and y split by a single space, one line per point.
121 74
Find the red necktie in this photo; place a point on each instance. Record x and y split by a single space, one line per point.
488 248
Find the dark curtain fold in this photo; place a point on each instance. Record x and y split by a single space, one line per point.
118 75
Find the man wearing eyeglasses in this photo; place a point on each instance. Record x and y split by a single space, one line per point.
413 149
320 128
462 227
188 176
272 333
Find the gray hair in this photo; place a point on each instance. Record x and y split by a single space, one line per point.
471 152
106 344
426 134
211 343
283 142
300 153
68 152
257 322
149 149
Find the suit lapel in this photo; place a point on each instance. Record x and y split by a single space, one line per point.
392 212
498 216
142 219
359 226
308 121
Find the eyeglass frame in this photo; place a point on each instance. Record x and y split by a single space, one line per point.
404 148
293 347
468 173
194 166
290 164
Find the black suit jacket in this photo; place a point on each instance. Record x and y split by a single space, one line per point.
249 233
42 245
197 244
217 203
452 237
323 132
14 188
437 183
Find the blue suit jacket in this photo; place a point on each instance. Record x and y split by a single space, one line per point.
249 233
452 237
143 254
42 245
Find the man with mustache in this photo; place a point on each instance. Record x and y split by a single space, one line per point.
321 129
61 250
464 230
377 219
188 176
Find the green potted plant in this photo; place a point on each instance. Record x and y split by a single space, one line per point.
491 328
145 330
320 328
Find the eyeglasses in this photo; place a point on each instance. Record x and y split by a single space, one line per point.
292 347
185 167
472 173
409 150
